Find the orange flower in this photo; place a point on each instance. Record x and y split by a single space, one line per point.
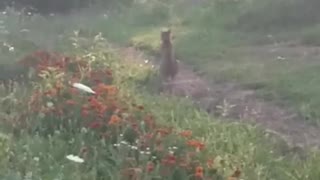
112 90
186 133
51 92
114 120
196 144
102 88
199 172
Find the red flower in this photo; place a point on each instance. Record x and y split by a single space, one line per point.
199 172
186 133
196 144
95 125
170 159
114 120
150 166
51 92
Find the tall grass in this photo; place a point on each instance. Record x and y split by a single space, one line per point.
206 34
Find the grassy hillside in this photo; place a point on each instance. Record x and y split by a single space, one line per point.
209 36
34 144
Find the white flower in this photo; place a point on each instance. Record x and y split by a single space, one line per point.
116 145
123 142
281 58
74 158
83 87
49 104
11 49
105 16
24 30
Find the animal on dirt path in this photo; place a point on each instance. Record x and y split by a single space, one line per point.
168 64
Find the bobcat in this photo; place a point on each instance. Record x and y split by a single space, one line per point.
168 64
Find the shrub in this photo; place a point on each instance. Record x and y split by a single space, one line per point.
279 14
116 133
56 6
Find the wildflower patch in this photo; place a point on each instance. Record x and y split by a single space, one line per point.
75 96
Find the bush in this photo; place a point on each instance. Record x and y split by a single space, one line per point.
275 14
56 6
116 137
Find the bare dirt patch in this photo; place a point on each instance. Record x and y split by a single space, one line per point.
232 101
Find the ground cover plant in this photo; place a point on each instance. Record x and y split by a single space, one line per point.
116 138
120 133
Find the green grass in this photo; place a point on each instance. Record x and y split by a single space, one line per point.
201 43
205 36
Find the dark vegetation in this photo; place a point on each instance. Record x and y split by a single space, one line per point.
55 6
281 14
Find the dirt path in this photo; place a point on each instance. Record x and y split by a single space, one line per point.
233 102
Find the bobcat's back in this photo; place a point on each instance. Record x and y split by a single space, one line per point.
169 65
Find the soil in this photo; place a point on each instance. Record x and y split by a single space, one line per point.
232 101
